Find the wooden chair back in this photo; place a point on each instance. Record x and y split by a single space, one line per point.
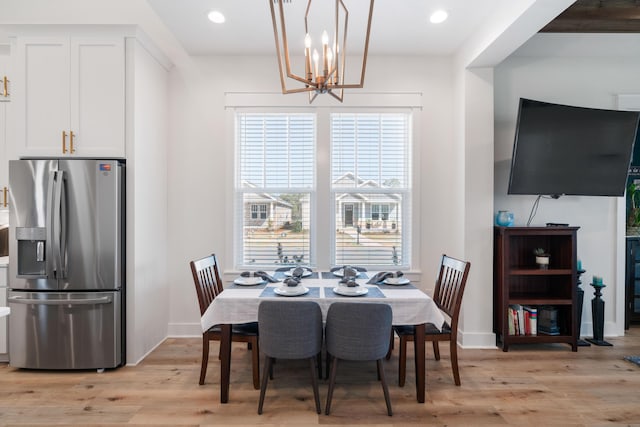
206 278
450 285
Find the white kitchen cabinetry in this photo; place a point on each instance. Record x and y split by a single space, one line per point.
4 159
4 351
69 96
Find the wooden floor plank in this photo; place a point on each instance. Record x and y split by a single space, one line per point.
530 384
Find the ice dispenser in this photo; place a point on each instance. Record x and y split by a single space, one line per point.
31 251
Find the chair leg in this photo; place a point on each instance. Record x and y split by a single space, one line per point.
402 363
385 390
391 340
319 362
265 378
205 358
332 383
255 362
436 350
327 367
314 383
454 361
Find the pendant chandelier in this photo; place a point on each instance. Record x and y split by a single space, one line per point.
324 66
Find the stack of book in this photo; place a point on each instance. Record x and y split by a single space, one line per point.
548 320
523 320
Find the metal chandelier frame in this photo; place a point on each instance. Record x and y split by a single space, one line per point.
331 79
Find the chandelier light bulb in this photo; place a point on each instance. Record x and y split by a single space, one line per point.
438 16
307 41
325 37
216 17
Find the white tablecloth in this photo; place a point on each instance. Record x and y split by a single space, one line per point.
240 304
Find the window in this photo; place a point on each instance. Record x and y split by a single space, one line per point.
275 182
380 212
364 175
259 211
371 187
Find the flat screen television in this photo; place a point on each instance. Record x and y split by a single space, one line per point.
566 150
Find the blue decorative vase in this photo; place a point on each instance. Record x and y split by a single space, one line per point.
504 218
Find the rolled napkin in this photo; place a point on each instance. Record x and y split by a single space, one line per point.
334 269
297 272
263 275
381 276
349 282
291 281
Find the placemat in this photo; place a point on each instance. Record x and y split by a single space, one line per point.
395 287
330 275
281 276
374 292
234 286
314 292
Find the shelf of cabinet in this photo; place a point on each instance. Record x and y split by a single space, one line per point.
518 282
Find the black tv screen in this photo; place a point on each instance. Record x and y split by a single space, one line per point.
567 150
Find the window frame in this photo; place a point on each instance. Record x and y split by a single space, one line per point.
322 216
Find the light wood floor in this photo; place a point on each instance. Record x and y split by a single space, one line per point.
542 385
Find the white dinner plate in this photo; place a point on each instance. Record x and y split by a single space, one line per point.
340 273
291 291
398 281
350 291
306 273
248 281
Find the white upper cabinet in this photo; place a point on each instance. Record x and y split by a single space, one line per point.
69 96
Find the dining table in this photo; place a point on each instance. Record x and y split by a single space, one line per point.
239 301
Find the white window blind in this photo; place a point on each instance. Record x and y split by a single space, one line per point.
371 188
274 186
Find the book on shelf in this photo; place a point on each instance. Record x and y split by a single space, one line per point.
548 320
523 320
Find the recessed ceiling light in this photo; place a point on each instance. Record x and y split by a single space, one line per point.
438 16
216 17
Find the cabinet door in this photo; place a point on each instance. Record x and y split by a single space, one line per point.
97 97
4 158
3 320
70 97
41 95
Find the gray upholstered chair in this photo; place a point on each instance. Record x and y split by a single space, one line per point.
290 330
358 331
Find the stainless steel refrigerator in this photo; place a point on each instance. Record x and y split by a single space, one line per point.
66 264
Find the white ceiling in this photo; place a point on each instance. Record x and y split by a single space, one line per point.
398 26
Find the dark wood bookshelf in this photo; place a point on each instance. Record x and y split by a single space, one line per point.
518 280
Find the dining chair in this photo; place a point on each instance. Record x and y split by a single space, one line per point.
358 332
290 330
450 284
206 278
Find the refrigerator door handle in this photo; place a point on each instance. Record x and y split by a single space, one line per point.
51 266
57 225
63 225
90 301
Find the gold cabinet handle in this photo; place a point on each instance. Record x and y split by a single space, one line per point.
71 149
5 91
64 142
5 190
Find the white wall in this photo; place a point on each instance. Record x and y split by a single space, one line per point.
201 161
147 137
582 70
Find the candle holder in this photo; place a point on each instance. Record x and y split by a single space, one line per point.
580 296
597 314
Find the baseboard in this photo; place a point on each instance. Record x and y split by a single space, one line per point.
485 340
184 330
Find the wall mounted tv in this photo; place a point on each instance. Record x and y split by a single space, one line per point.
567 150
